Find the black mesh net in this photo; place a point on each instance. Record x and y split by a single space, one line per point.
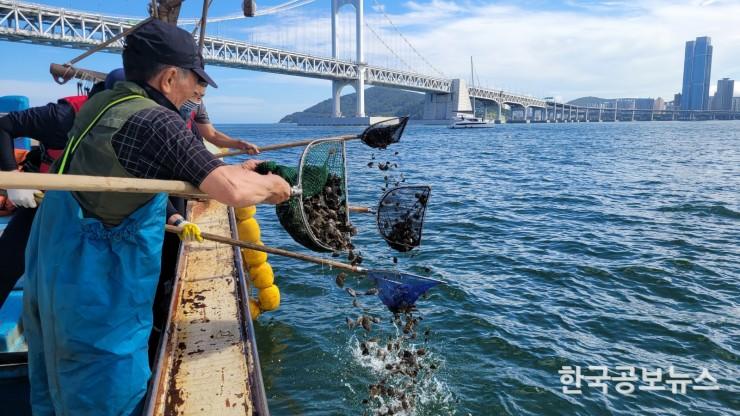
318 219
401 216
384 133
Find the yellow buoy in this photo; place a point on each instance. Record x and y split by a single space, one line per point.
253 257
254 309
246 212
269 298
262 275
249 230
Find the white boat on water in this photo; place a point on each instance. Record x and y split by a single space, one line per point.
471 122
462 122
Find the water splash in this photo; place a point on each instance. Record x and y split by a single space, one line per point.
404 373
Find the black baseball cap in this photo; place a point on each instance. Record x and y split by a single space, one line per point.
167 44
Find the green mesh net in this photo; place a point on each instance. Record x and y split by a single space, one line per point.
318 219
286 172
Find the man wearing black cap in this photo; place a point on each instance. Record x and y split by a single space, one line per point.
88 298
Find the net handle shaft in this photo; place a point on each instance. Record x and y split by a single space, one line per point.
273 250
82 183
108 42
285 145
62 74
361 210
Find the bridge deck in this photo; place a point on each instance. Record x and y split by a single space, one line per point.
34 23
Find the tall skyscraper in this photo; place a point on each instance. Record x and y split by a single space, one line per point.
697 68
723 97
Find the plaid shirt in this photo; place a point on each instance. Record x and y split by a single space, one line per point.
155 144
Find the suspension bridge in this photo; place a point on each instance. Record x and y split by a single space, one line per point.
445 97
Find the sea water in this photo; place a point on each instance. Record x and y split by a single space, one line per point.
562 246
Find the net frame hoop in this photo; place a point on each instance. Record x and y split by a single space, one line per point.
427 188
402 122
304 217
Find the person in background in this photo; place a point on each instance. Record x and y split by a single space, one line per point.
93 258
195 114
49 125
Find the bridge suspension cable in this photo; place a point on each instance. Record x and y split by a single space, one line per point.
382 10
380 39
264 12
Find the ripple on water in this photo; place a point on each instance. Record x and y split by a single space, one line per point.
702 210
578 244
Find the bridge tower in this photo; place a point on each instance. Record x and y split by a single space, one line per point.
359 84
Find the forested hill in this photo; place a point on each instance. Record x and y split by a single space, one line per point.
379 101
590 101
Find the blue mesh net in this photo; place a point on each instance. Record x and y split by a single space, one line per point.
400 290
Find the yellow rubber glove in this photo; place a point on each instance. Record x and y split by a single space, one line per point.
190 232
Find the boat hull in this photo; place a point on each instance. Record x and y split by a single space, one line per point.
472 126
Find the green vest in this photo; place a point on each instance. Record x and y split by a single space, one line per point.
90 151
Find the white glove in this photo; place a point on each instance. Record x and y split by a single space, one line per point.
23 197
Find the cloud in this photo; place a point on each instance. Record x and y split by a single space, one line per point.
437 7
635 50
573 48
566 48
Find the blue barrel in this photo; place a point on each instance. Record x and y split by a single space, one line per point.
10 103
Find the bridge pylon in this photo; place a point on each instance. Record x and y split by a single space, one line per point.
447 106
359 83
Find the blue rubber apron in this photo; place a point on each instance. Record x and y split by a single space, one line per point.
88 307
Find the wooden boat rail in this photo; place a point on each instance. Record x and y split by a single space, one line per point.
202 365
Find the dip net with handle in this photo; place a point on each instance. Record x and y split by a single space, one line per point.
384 133
399 291
318 218
401 216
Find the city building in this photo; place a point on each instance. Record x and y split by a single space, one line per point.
677 101
697 68
644 103
722 99
659 104
630 103
736 104
625 103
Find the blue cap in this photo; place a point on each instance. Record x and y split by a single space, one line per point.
113 77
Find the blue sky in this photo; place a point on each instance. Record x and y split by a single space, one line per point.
567 49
